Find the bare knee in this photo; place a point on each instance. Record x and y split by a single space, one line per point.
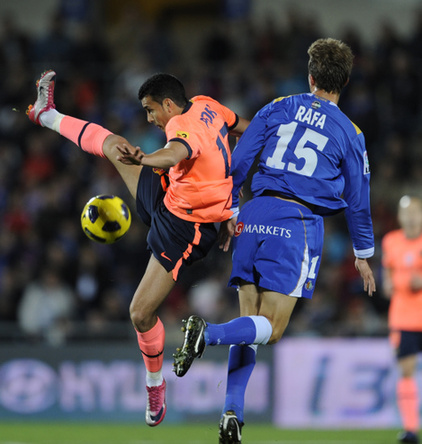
279 324
142 318
276 334
277 308
110 145
407 366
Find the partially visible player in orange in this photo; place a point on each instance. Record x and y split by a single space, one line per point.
402 282
181 206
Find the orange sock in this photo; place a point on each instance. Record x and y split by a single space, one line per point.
151 344
408 403
88 136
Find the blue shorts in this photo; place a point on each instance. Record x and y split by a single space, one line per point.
408 343
174 242
277 246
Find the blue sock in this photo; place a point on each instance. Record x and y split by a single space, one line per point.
238 331
242 360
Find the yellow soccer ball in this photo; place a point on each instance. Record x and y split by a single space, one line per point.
105 218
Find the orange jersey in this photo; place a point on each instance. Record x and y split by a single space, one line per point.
403 257
200 185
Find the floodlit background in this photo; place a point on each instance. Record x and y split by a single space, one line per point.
55 349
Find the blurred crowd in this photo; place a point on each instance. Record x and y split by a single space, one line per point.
55 284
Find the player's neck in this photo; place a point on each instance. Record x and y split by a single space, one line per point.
332 97
412 234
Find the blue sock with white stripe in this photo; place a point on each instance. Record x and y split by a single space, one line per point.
240 331
242 359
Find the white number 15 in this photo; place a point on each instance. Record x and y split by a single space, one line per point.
301 151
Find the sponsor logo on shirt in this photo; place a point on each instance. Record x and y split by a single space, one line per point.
409 259
365 163
238 229
262 229
183 134
315 104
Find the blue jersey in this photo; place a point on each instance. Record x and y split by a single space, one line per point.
309 150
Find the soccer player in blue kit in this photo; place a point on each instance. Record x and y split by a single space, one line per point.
313 163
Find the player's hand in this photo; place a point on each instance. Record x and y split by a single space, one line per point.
226 233
130 155
366 273
416 282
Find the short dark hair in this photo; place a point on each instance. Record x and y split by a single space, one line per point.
164 86
330 64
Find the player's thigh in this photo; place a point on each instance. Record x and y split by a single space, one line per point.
407 345
407 365
153 289
248 299
129 173
277 308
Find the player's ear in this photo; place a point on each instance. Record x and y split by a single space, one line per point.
168 104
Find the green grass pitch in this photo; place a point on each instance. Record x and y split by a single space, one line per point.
87 433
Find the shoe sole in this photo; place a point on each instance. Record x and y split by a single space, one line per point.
191 347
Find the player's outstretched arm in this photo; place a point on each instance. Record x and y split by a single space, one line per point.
416 282
366 273
164 158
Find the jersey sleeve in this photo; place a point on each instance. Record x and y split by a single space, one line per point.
179 130
355 169
229 116
245 152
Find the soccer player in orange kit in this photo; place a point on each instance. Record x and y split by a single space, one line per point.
402 282
181 206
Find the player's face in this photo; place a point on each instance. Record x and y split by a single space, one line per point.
156 112
410 218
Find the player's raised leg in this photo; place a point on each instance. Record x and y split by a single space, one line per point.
89 136
157 282
266 327
198 334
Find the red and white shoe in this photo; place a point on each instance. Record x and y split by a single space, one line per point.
45 97
156 404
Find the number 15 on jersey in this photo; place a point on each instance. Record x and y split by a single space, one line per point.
307 158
